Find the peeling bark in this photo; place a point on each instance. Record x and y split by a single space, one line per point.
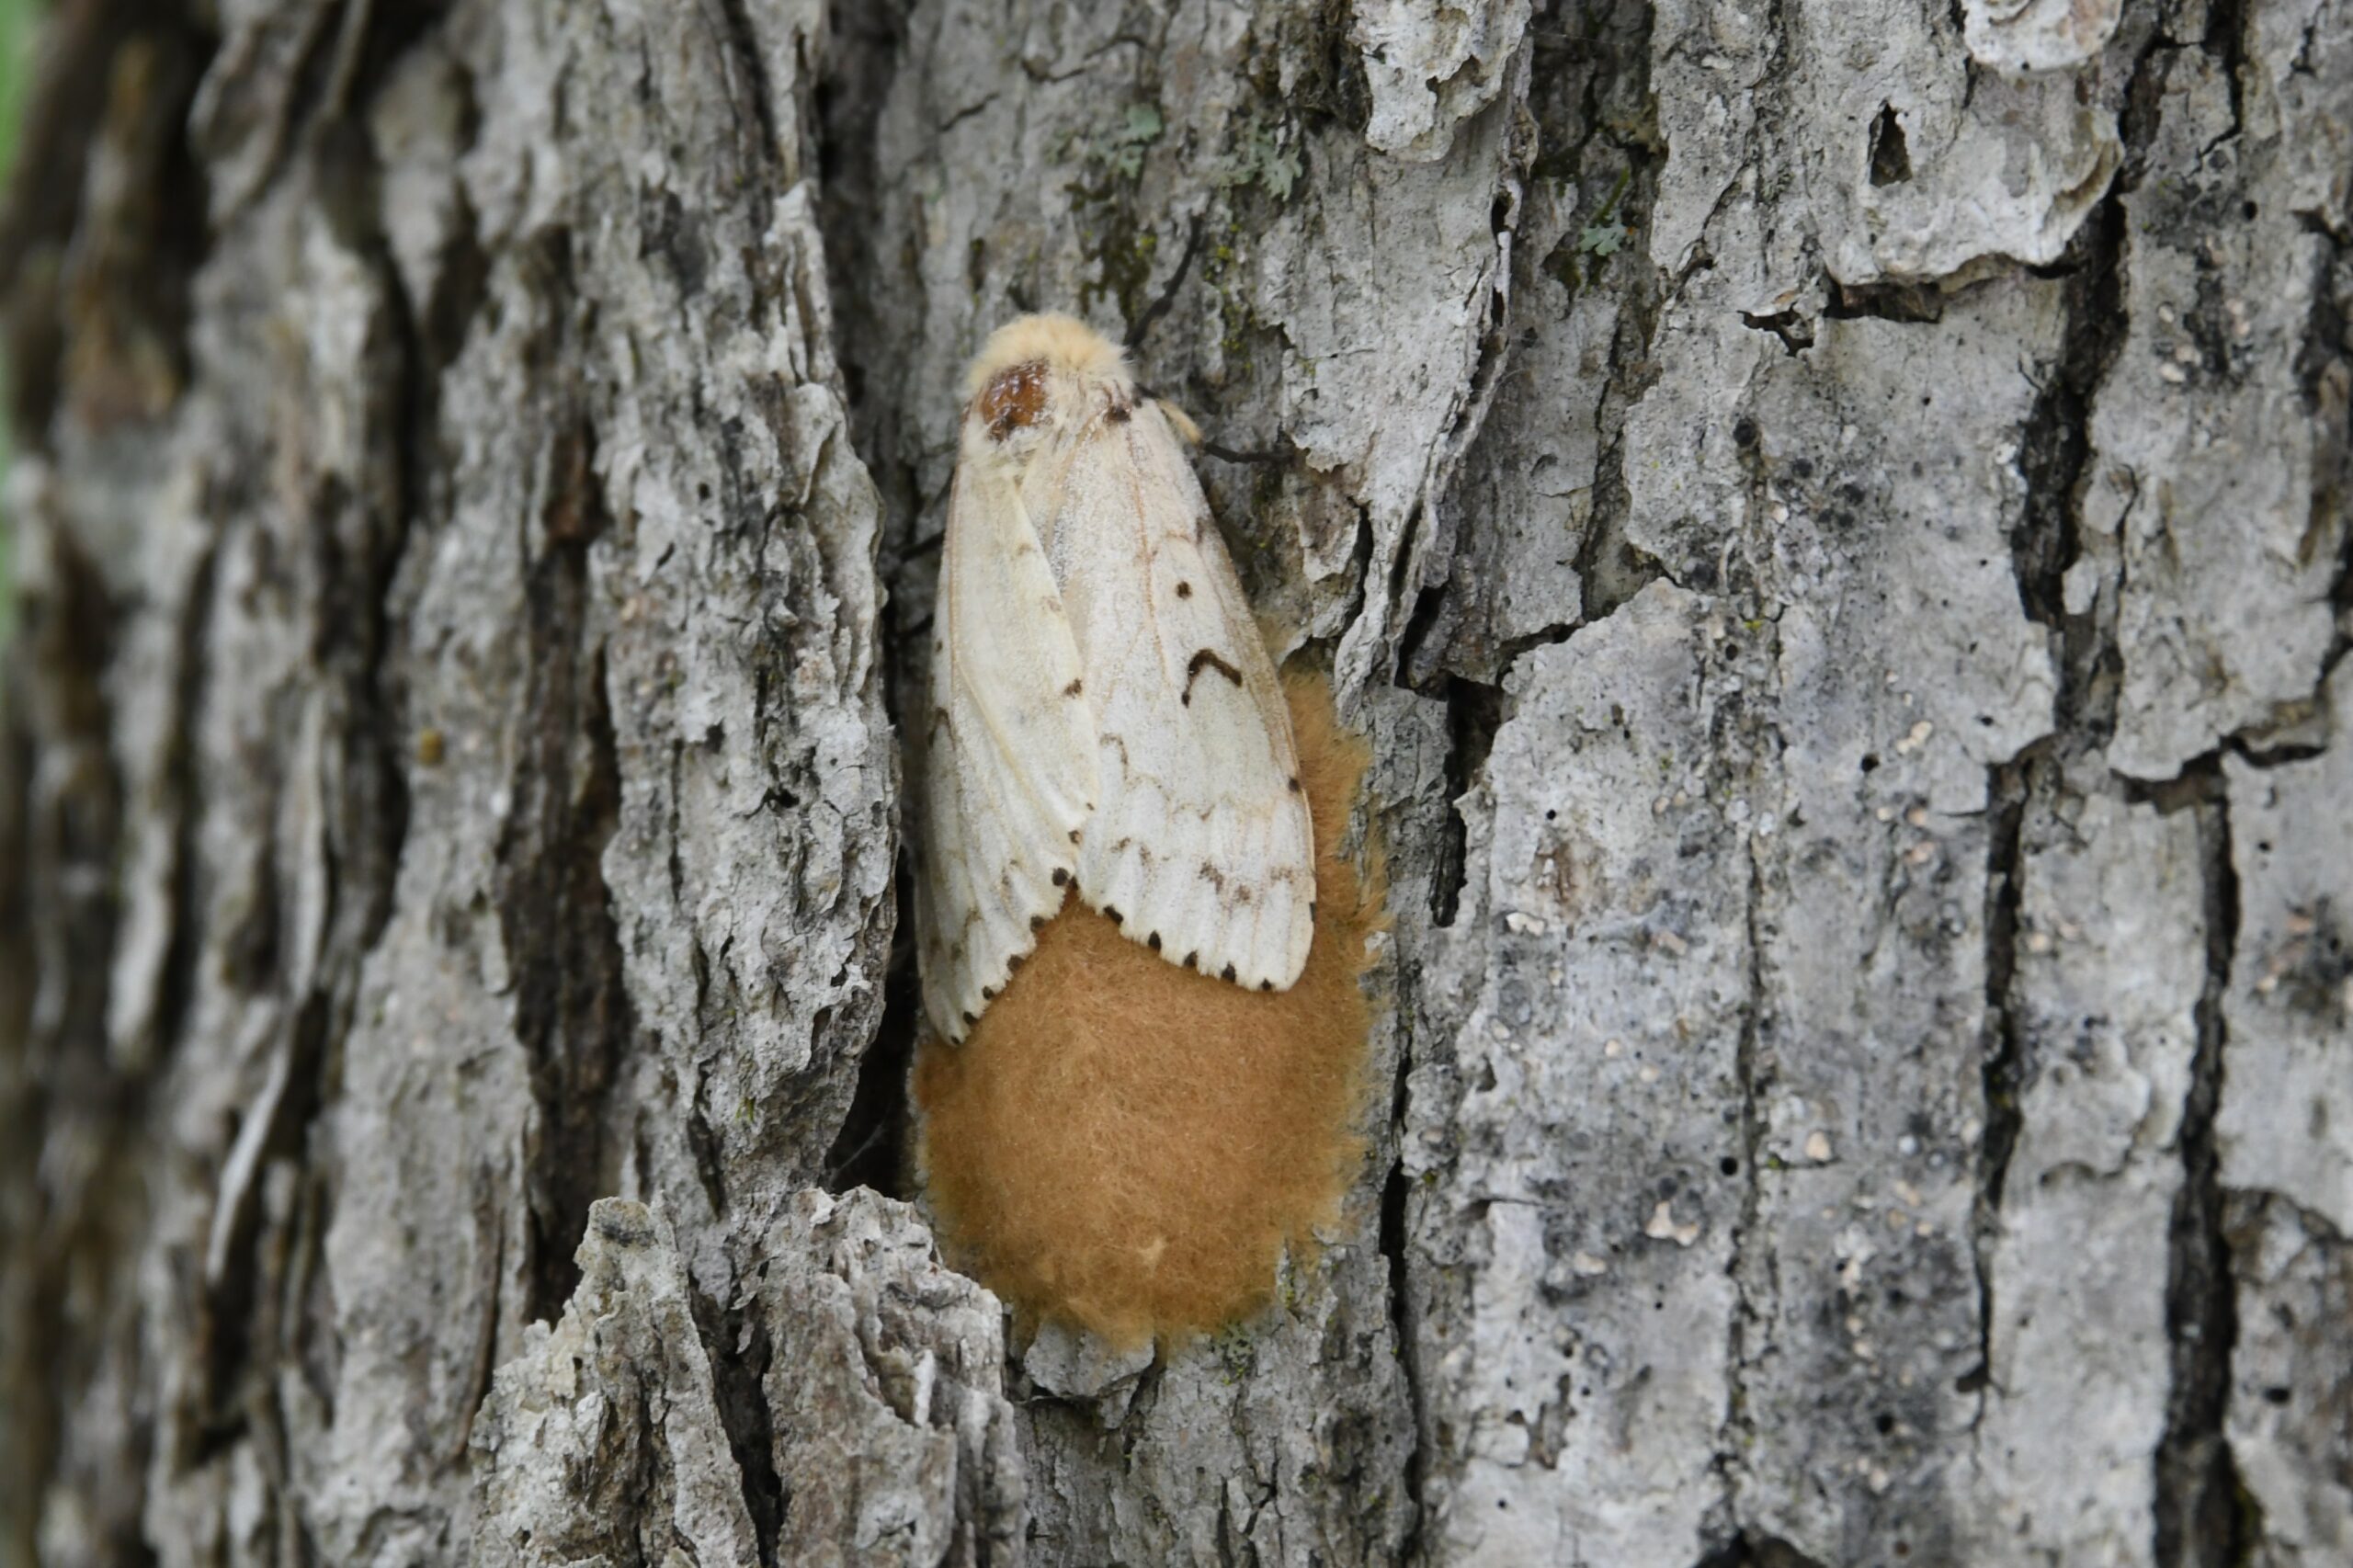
1832 518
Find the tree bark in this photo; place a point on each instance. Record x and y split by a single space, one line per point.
1831 516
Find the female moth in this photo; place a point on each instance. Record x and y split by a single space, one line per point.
1104 713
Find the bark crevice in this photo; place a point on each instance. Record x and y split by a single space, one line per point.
2202 1514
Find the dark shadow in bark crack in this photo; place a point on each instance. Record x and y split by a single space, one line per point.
2203 1519
874 1146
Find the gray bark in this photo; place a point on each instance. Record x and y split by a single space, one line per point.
1831 516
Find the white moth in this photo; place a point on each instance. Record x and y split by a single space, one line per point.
1103 710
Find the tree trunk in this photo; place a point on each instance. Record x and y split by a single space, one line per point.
1831 516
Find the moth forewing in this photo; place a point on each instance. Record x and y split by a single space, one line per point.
1201 839
1009 761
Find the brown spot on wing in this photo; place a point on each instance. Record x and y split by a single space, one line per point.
1206 659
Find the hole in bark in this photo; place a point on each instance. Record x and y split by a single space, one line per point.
1795 331
1747 1551
1884 301
1891 160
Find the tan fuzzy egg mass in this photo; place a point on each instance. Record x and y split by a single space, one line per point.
1127 1146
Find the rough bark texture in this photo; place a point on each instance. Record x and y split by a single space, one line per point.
1830 514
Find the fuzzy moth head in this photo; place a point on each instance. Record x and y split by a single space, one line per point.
1034 376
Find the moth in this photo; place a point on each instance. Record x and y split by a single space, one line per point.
1104 715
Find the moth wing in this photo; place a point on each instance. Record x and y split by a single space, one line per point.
1009 764
1200 838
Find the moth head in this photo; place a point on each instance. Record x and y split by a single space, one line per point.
1013 400
1030 363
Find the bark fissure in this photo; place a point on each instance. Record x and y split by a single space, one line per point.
1474 713
2202 1518
177 985
1752 1075
1395 1196
868 51
737 1340
572 1009
873 1148
2003 1047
